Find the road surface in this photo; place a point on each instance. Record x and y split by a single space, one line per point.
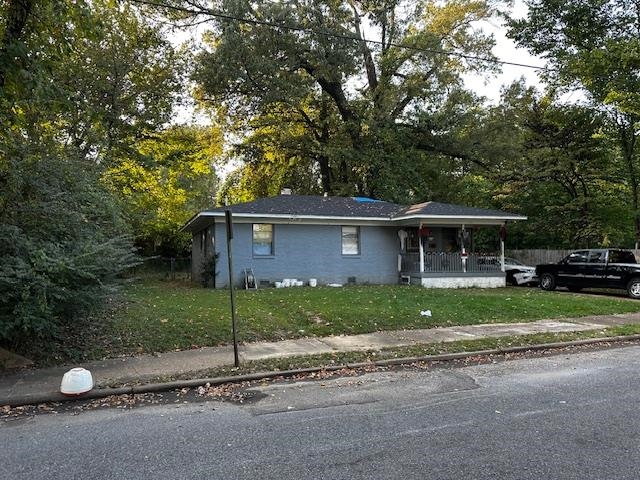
570 416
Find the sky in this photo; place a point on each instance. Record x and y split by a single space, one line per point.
506 50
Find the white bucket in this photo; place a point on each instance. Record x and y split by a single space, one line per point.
313 282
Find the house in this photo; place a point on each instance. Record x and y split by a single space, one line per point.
350 240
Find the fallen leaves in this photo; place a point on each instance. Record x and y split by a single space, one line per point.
228 391
125 401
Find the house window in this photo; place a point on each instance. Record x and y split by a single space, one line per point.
262 239
351 240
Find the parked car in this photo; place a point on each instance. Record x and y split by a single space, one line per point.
595 268
518 273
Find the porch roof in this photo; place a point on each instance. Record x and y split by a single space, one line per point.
439 213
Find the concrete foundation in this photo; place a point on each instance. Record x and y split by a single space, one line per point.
462 282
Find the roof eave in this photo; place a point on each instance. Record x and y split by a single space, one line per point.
495 219
285 218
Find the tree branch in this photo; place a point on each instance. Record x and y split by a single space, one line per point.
370 67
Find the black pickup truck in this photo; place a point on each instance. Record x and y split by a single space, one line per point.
595 268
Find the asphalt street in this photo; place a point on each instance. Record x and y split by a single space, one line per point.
571 416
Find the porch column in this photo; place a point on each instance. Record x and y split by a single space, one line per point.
502 255
464 250
421 252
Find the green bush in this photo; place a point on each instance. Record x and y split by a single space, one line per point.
208 270
61 245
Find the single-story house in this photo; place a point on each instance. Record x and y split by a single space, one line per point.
342 240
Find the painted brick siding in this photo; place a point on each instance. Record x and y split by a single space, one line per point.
311 251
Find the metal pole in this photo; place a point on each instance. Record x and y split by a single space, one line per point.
227 215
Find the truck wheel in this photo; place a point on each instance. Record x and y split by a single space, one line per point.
548 282
633 288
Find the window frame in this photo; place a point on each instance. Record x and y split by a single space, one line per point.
578 257
254 243
358 242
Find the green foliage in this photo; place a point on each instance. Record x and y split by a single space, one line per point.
554 164
332 112
170 177
595 46
208 270
61 241
122 80
77 85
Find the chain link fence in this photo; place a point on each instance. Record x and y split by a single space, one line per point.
163 268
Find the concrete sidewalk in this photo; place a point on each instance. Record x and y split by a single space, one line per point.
149 368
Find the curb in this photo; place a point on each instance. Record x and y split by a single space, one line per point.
47 397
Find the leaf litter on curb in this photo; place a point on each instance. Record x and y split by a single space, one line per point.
240 392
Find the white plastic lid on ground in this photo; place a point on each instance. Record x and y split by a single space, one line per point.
76 382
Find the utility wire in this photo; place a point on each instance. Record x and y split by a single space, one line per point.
200 10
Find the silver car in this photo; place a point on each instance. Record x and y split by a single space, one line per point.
518 273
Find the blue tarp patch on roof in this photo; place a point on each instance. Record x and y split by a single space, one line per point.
365 200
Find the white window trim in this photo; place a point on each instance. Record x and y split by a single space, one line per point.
253 243
358 241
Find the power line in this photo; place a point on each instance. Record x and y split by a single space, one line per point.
200 10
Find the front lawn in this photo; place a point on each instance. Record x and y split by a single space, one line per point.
161 316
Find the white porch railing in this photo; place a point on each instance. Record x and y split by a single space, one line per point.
441 262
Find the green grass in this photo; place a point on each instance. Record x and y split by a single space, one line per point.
162 316
157 316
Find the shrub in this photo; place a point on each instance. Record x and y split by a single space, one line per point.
62 244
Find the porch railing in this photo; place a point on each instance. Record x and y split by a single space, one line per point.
441 262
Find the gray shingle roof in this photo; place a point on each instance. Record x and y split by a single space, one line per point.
343 207
309 205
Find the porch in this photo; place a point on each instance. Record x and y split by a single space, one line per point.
451 270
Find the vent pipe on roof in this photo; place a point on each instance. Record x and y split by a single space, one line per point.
285 191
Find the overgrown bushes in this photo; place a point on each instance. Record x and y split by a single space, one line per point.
61 245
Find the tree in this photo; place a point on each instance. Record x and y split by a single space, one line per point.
594 45
556 168
123 78
171 176
63 240
358 111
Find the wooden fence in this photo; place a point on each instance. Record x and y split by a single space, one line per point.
536 257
